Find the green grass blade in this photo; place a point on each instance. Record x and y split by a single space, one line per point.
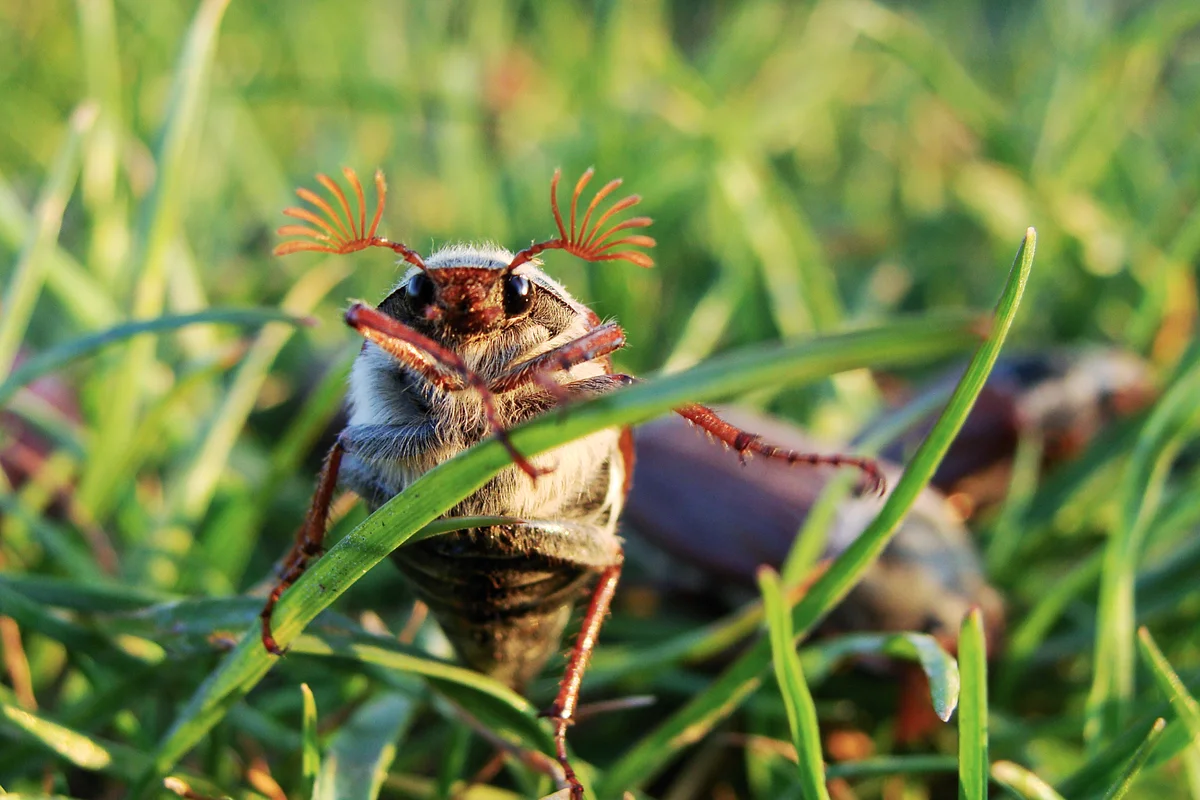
78 639
87 752
698 716
973 710
100 596
200 479
1172 421
159 226
821 658
797 700
438 490
86 300
891 765
1134 766
359 754
1023 782
23 288
58 357
310 754
1168 681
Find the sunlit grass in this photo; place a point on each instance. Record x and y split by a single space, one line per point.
847 176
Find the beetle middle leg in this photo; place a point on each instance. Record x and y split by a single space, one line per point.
745 443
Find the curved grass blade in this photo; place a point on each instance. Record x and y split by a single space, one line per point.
973 711
938 665
797 700
359 754
438 490
1023 782
1131 770
697 717
58 357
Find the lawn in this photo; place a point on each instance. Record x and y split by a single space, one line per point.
844 197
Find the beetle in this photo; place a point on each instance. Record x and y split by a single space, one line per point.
1063 395
473 340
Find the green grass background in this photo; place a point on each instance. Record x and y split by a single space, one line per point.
810 167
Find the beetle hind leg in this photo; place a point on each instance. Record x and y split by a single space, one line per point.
562 712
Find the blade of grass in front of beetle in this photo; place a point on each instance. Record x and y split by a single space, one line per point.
797 700
973 710
437 491
696 718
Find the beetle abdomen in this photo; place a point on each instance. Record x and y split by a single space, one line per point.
502 607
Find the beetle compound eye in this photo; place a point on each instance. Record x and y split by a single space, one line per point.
419 291
518 295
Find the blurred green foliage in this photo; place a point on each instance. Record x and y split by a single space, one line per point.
809 166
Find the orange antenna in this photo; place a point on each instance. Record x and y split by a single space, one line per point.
340 233
589 241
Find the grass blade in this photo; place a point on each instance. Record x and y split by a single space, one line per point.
1168 681
1023 782
29 274
46 362
797 700
438 490
696 718
1131 770
1173 419
358 756
310 756
87 752
973 711
940 668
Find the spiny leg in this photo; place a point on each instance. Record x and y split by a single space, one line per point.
438 364
596 343
744 442
562 712
309 542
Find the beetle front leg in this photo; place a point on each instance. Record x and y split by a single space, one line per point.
596 343
562 712
309 541
439 365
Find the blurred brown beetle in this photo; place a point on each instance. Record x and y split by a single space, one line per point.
1064 395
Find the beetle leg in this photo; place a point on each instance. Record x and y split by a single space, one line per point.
439 365
562 712
309 541
744 443
596 343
